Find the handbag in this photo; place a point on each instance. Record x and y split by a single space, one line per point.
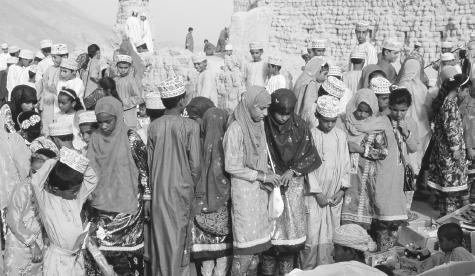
409 177
215 223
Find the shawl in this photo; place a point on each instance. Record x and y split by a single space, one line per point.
357 129
214 186
198 107
111 157
21 94
290 144
367 70
253 132
309 74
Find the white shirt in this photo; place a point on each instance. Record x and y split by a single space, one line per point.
16 75
276 82
42 66
3 61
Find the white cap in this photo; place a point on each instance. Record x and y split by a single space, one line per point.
4 46
13 49
357 53
198 57
274 60
256 46
59 49
153 100
46 43
228 47
73 159
171 88
380 86
69 63
327 106
334 87
123 58
447 57
26 54
392 45
335 71
317 44
39 55
87 117
447 44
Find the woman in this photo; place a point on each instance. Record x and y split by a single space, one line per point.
211 231
293 155
119 157
246 162
448 165
367 143
23 99
409 77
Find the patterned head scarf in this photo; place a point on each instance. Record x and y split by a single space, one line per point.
354 236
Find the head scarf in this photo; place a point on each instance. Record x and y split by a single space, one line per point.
310 72
214 186
290 144
111 158
21 94
253 132
354 236
367 70
357 130
198 106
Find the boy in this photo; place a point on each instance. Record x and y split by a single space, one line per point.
70 181
276 80
129 90
61 133
380 87
255 72
87 125
173 142
68 78
206 85
389 55
327 185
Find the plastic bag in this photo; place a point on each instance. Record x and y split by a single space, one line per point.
276 204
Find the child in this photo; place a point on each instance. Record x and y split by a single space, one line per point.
276 80
128 89
255 72
327 185
68 78
153 109
380 87
61 134
70 181
24 242
450 237
87 125
69 104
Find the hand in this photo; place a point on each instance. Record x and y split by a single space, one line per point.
147 210
336 199
354 147
321 200
403 127
286 178
36 253
273 178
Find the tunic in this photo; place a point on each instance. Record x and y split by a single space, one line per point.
255 73
276 82
130 93
93 70
16 75
62 221
174 165
3 60
206 86
252 226
327 180
351 80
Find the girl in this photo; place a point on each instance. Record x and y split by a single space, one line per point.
294 155
69 104
23 98
30 125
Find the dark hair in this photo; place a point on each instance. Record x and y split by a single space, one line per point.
46 152
143 46
206 40
31 74
37 59
170 103
375 73
65 138
32 132
19 95
359 254
154 113
92 50
400 96
357 60
75 99
190 29
277 66
322 91
94 125
385 269
451 231
64 177
108 85
46 50
384 50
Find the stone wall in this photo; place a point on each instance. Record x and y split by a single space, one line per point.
296 21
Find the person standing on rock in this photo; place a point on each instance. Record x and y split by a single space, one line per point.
206 85
255 72
189 44
361 31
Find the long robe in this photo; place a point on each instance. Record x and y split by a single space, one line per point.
3 60
371 54
130 93
351 79
174 165
255 73
43 66
388 69
189 43
206 85
327 180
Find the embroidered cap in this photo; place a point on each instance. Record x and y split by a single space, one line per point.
60 129
153 101
334 87
335 71
362 26
73 159
171 88
39 55
358 54
255 46
87 117
380 86
59 49
317 44
198 57
447 57
123 58
46 43
417 44
392 45
13 49
43 143
69 63
275 60
354 236
327 106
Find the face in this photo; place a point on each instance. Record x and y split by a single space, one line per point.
363 111
398 111
86 131
383 101
281 118
392 56
258 113
65 103
70 194
326 124
319 52
201 66
106 123
25 62
340 254
272 69
310 53
98 54
27 106
361 36
57 60
66 74
445 244
228 52
123 68
37 163
256 55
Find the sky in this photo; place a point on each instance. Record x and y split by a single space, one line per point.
170 18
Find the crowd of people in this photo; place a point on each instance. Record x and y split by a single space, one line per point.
257 177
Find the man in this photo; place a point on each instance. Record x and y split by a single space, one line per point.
146 31
206 84
18 73
209 48
255 72
389 54
361 31
276 80
189 44
133 28
3 80
317 48
14 51
351 242
4 56
45 46
174 153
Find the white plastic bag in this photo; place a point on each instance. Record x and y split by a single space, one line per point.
276 204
